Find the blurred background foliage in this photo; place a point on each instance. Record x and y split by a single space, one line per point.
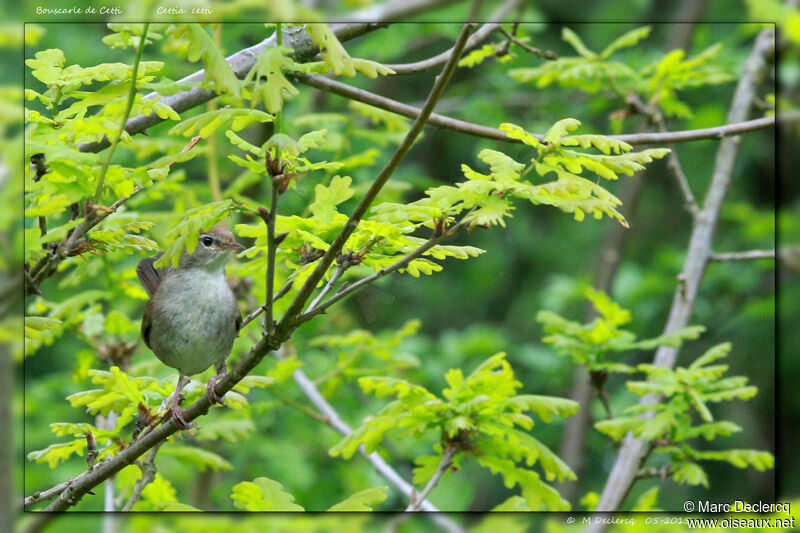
542 260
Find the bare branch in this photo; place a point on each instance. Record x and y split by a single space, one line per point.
336 246
634 451
480 34
52 492
739 256
409 111
448 123
444 464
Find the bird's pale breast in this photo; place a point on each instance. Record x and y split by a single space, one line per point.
195 327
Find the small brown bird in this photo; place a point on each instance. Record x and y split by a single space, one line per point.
192 319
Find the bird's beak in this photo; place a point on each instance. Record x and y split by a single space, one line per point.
233 245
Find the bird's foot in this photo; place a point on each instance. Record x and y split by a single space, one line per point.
177 416
212 394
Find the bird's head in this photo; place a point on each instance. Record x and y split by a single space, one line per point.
214 249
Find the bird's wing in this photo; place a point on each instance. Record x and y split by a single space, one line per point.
146 324
149 276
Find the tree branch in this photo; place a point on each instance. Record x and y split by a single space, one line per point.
383 468
315 310
480 34
739 256
673 163
278 295
340 269
83 483
633 450
148 469
241 62
444 464
544 54
448 123
269 220
336 246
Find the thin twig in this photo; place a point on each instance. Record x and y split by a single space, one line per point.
739 256
269 220
544 54
125 115
366 201
444 464
673 163
340 269
402 263
148 469
278 295
480 34
52 492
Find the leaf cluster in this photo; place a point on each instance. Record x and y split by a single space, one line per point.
137 401
658 81
487 199
589 344
478 416
670 425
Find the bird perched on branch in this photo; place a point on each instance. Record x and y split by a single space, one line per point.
192 319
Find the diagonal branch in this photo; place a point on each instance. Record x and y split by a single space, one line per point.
378 462
634 451
480 34
84 483
314 310
336 246
444 464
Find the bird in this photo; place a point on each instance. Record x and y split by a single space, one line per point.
191 318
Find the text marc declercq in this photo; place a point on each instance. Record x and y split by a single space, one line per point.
740 506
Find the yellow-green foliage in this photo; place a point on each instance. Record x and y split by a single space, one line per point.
479 416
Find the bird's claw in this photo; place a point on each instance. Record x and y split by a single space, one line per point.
212 394
177 417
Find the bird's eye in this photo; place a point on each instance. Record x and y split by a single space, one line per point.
207 241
